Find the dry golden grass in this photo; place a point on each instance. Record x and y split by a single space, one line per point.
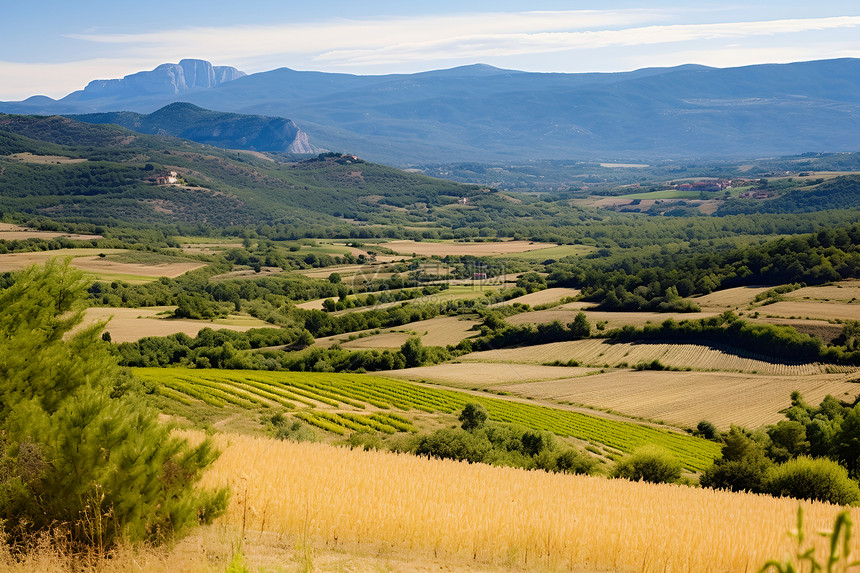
383 340
9 232
27 157
567 313
104 267
211 549
427 248
483 375
817 309
545 296
685 398
101 267
439 509
438 331
842 291
597 352
130 324
728 299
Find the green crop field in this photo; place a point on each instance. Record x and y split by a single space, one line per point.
669 194
341 403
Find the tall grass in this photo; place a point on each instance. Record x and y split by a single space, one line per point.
503 516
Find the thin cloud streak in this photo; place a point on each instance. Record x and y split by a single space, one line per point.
476 46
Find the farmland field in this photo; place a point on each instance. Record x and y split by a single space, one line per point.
612 319
597 352
815 310
685 398
341 403
545 296
486 375
550 252
109 267
9 232
428 248
728 299
438 331
842 291
130 324
500 517
665 194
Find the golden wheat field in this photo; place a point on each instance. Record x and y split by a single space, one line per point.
102 267
566 313
813 309
130 324
440 509
841 291
600 352
728 299
438 331
686 398
484 375
545 296
10 232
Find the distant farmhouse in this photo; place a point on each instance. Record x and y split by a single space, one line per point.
170 179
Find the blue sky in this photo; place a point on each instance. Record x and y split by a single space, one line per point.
55 47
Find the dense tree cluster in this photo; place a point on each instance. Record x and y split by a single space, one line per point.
813 454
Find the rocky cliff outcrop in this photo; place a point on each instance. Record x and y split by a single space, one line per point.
166 79
228 130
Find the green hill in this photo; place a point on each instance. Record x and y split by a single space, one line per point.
115 180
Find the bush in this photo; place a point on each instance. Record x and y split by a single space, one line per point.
707 430
574 462
649 463
455 445
742 467
473 416
813 478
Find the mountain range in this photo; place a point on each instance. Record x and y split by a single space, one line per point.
484 113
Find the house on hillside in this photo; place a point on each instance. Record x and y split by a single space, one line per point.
171 178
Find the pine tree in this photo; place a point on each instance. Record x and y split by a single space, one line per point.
76 458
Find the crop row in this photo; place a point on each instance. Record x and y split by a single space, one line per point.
321 391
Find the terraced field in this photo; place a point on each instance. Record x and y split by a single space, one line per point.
340 403
599 352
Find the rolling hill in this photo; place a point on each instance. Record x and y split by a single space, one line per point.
219 129
70 170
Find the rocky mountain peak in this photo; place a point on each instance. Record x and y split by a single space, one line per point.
166 79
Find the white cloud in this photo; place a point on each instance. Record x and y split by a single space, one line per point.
474 46
58 79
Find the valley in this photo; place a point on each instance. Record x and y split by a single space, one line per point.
329 323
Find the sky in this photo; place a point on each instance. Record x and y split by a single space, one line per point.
55 47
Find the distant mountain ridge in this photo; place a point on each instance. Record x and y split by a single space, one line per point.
220 129
482 113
